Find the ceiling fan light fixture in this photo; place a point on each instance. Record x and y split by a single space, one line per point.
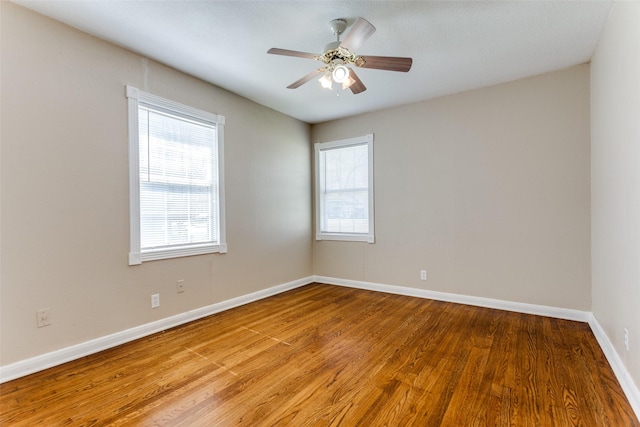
326 81
340 74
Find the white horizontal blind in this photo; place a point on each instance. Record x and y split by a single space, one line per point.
178 174
345 189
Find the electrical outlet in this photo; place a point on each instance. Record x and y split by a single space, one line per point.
155 300
423 274
44 317
180 286
626 339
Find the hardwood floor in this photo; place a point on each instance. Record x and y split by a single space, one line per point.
324 355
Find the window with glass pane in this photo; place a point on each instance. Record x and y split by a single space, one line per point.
177 186
176 198
344 179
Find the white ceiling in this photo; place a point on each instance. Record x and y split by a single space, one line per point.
455 45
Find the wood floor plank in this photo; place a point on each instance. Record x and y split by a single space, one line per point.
323 355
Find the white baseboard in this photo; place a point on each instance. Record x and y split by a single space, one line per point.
58 357
626 382
519 307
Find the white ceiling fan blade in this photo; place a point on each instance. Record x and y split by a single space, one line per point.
361 31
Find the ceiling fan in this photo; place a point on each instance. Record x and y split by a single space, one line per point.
338 56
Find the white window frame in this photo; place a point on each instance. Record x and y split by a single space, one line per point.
135 98
354 237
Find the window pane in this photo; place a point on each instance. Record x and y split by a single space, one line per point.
345 195
177 150
347 212
177 180
347 167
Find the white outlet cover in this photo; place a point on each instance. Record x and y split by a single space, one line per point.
155 300
44 317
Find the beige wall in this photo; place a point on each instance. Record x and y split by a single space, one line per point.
615 160
64 195
487 190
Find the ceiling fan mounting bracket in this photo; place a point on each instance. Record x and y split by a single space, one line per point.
338 26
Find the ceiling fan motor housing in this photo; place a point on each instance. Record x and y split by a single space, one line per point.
333 53
341 55
331 46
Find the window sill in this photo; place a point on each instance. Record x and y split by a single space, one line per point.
346 237
166 253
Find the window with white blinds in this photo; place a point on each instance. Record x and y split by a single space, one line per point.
344 189
176 191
